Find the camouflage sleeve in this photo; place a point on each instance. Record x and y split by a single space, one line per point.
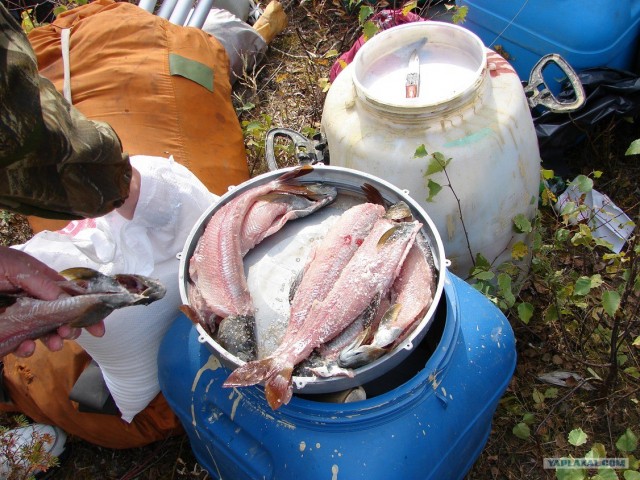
54 162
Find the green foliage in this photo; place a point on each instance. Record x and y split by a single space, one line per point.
628 442
634 148
577 437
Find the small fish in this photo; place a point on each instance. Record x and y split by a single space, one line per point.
370 272
92 296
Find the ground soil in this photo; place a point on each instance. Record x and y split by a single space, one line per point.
287 91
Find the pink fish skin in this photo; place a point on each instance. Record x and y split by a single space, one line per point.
329 257
370 272
270 212
412 294
216 268
92 296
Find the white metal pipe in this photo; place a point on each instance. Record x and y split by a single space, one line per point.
148 5
199 15
181 12
167 8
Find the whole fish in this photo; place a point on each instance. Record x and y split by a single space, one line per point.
370 272
412 292
219 285
92 296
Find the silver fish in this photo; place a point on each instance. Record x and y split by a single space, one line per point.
370 272
92 296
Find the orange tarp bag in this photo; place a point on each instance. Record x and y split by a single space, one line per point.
164 88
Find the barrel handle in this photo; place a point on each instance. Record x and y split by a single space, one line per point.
308 152
538 94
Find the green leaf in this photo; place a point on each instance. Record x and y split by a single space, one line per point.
521 224
627 442
605 473
583 183
547 174
632 372
437 164
519 250
434 189
538 396
525 312
482 262
421 152
634 148
611 302
409 6
631 475
577 437
58 10
369 29
551 392
364 13
529 418
636 342
597 451
571 474
562 235
484 275
583 286
504 285
522 431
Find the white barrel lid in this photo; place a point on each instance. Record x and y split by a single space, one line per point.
452 64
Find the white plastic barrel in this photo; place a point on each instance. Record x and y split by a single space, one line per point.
470 108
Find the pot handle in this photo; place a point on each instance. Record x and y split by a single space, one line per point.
537 92
308 151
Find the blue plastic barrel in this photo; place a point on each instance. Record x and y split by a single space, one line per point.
598 33
429 418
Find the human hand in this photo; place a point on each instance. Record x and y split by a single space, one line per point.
21 271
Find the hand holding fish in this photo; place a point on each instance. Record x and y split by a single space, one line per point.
20 271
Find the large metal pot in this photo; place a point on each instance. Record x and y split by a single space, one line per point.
269 273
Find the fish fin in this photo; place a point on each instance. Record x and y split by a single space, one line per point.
80 273
373 195
191 314
92 315
251 373
399 212
295 173
387 236
360 356
279 389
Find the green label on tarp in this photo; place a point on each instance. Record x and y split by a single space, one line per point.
194 71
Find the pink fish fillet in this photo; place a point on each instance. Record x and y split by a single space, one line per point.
216 267
270 212
329 257
413 292
370 272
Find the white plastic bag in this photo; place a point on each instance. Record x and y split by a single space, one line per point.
171 201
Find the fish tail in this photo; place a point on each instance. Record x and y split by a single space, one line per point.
252 372
278 388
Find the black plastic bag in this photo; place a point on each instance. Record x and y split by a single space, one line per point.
610 95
